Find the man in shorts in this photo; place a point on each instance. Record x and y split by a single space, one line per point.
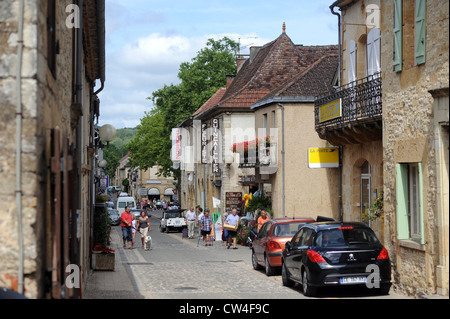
206 225
126 223
233 220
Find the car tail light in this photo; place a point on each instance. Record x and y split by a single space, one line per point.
346 227
315 257
273 245
383 254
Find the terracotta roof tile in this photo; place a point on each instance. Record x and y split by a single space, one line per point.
213 100
271 71
313 81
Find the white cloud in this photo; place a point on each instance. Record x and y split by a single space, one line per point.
145 65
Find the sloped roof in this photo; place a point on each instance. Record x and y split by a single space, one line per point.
313 81
213 100
274 65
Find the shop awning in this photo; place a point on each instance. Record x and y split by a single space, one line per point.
153 191
168 192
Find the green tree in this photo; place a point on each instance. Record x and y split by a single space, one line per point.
200 79
112 155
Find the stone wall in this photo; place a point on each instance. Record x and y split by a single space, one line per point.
408 138
47 101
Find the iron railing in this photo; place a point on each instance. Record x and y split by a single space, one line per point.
360 102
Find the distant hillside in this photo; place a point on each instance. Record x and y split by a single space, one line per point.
117 149
124 136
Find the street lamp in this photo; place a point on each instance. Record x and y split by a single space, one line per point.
107 133
102 163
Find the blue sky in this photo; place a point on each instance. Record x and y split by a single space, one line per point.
147 40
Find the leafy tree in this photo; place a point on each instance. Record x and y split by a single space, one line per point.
200 79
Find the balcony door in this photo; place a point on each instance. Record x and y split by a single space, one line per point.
373 52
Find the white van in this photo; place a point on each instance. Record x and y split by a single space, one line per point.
122 202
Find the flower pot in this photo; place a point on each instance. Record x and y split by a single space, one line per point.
103 261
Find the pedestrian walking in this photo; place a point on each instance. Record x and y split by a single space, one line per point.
144 226
133 223
233 220
199 216
190 222
206 224
262 219
126 223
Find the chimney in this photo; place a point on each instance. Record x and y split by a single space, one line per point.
253 52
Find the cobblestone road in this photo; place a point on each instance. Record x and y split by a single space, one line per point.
177 268
182 268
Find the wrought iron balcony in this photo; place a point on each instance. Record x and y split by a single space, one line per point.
353 114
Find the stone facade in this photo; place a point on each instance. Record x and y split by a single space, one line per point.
53 114
415 118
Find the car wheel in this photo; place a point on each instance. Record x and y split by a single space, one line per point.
384 289
308 290
270 271
161 229
285 277
255 264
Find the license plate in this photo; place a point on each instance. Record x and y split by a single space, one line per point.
353 280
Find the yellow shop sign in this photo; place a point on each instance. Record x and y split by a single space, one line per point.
327 157
330 111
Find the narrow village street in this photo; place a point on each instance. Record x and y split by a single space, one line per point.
313 134
177 268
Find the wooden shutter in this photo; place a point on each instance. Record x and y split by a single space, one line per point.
401 192
420 31
398 35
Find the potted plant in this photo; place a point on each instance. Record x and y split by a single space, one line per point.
103 257
250 149
376 209
243 233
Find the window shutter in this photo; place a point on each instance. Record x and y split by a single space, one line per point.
401 191
352 64
398 35
420 31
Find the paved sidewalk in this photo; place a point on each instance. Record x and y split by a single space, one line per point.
117 284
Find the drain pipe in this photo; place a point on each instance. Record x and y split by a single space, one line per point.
283 152
19 116
339 38
341 148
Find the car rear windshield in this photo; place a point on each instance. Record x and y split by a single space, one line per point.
287 229
173 215
345 237
124 204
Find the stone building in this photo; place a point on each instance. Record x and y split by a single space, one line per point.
286 115
51 67
231 111
415 142
392 125
351 117
149 185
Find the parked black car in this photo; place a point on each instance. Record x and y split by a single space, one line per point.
334 253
